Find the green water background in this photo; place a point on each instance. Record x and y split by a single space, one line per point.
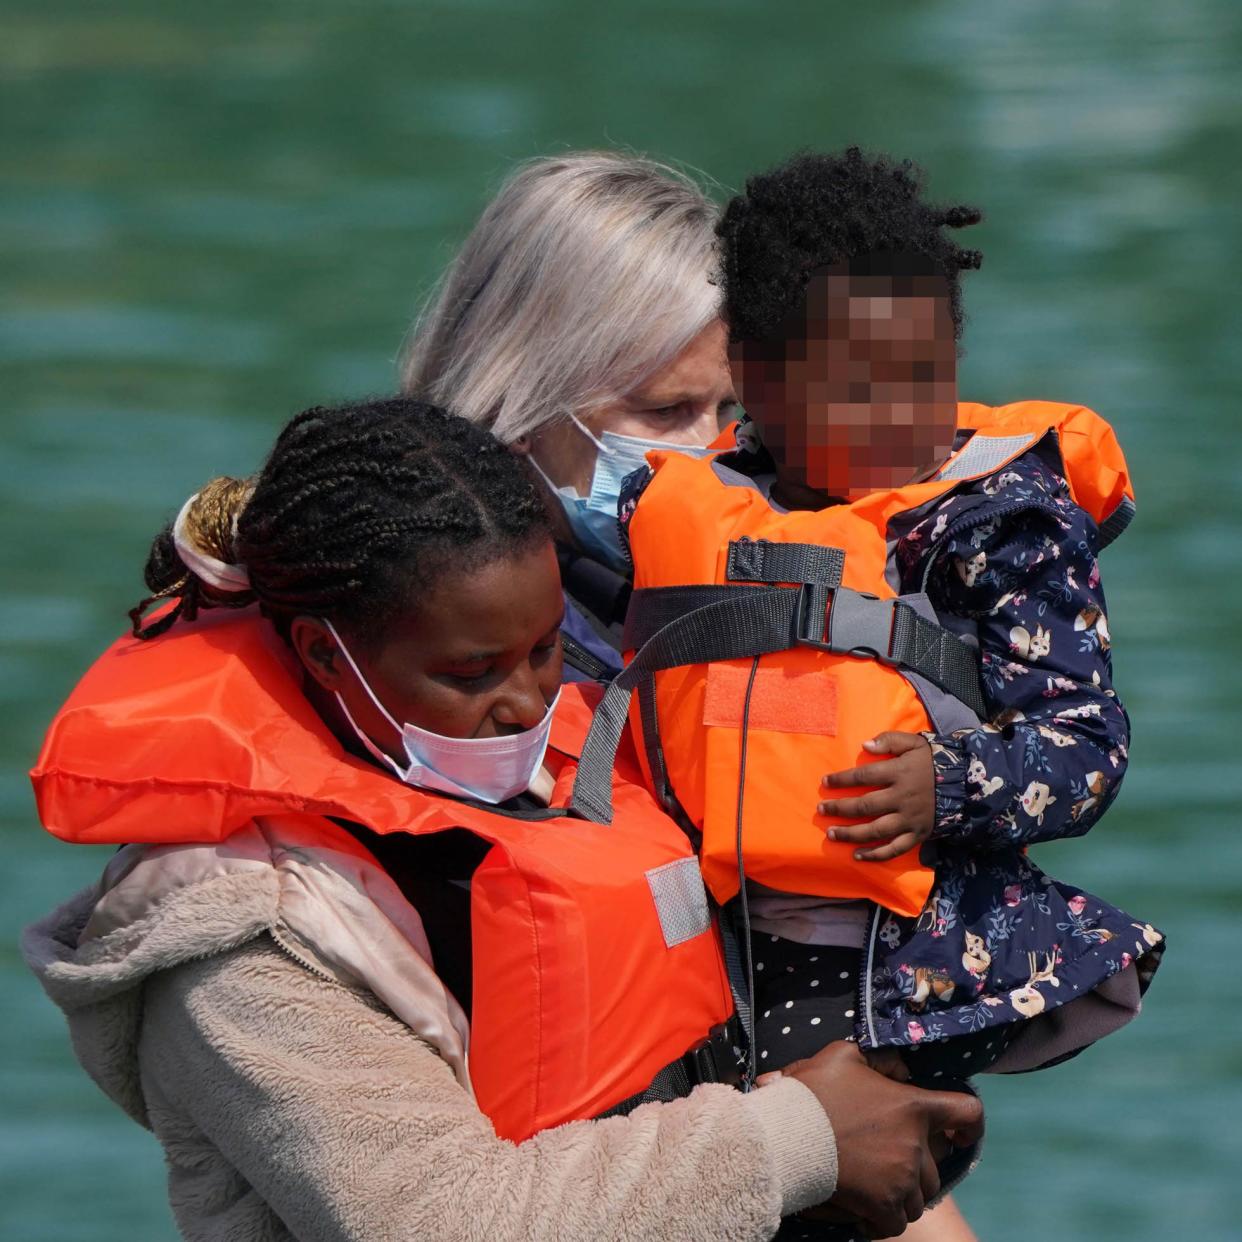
214 215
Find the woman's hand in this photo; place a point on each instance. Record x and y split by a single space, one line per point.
886 1166
901 804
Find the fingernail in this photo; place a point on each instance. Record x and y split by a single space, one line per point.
858 856
832 834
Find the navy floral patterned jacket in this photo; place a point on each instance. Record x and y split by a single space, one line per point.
999 941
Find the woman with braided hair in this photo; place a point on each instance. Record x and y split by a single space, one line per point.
355 965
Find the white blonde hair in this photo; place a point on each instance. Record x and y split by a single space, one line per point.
584 276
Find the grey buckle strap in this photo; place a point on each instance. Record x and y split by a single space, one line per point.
891 631
939 655
860 624
745 622
760 560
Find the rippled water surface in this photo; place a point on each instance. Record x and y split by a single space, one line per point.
214 215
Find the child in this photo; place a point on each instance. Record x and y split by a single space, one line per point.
843 301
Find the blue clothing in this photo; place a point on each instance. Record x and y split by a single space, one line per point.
577 627
1011 559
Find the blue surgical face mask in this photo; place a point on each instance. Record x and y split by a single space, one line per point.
593 518
488 769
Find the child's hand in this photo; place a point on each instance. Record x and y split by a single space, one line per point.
901 806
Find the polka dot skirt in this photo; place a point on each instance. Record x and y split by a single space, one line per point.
806 996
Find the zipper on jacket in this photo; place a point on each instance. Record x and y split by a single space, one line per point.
577 656
301 960
623 538
864 983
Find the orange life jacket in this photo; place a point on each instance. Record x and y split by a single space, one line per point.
751 624
596 965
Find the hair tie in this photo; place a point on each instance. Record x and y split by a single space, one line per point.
229 579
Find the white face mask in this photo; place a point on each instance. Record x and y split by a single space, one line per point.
487 769
593 518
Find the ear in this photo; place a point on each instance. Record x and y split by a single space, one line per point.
318 650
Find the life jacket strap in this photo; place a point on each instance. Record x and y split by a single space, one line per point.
716 1058
745 622
676 626
761 560
893 632
888 630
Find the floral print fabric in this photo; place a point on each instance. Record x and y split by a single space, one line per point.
1012 556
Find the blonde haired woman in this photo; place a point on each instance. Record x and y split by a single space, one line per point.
580 323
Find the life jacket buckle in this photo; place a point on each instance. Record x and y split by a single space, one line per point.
719 1057
846 622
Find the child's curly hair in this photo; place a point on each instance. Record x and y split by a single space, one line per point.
815 211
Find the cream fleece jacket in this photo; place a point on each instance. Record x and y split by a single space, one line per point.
292 1102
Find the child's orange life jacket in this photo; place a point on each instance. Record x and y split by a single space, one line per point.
596 964
780 637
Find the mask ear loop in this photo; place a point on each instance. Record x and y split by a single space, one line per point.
590 435
372 748
539 470
600 447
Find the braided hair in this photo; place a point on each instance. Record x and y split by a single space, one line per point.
356 509
817 211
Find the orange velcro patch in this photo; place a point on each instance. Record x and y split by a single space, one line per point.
781 701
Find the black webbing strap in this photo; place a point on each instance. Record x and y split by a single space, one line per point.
735 967
717 1058
652 608
748 560
759 560
648 714
858 624
676 626
893 632
671 1083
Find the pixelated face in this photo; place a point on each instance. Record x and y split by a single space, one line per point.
861 394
